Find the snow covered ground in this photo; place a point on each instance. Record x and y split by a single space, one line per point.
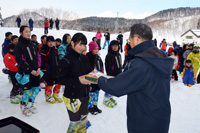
53 118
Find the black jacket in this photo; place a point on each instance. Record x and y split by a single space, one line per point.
27 56
70 68
50 60
107 36
28 59
146 81
113 62
95 63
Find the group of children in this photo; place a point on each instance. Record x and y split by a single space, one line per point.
184 61
56 63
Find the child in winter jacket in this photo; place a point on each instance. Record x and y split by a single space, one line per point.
6 43
71 71
11 64
189 74
43 42
107 39
50 59
95 63
65 42
174 73
29 62
113 68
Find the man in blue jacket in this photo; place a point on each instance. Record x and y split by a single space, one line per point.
18 21
31 24
146 82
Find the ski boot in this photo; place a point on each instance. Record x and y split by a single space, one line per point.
97 109
50 99
25 109
108 103
115 103
15 100
57 98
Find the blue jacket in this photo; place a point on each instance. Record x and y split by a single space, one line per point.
30 23
120 38
62 50
5 47
146 81
188 75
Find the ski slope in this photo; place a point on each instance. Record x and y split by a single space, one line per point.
53 118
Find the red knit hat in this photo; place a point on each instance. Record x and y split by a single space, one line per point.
170 49
93 45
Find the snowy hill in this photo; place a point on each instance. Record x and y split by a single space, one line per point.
53 118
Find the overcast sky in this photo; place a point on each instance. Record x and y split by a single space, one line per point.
102 8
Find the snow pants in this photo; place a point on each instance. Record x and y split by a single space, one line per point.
77 110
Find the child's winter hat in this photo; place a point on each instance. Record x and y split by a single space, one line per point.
93 45
170 49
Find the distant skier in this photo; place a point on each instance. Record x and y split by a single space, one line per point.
18 21
46 26
163 45
57 23
107 39
31 24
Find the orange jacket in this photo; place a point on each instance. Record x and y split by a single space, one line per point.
176 67
125 49
163 45
46 24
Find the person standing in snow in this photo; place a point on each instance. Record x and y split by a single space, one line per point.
189 74
71 71
99 36
31 24
57 23
163 45
194 56
65 42
113 65
120 40
146 81
11 64
189 49
46 26
174 73
107 39
18 21
6 42
29 61
51 24
43 42
95 63
49 66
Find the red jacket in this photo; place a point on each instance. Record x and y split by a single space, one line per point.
10 62
46 23
40 47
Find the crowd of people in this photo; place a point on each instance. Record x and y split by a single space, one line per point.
48 24
54 64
